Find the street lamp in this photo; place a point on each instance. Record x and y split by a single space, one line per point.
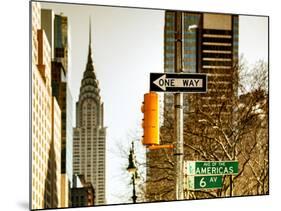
132 169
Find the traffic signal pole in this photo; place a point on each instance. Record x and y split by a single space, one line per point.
178 103
179 144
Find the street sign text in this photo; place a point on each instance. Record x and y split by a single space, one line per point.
202 182
180 82
211 167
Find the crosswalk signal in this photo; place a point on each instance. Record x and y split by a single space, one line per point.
150 124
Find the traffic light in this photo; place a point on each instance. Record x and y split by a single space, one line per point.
150 124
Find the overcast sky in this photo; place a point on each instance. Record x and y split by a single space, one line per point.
127 45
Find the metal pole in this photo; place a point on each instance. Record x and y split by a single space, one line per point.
178 102
230 186
134 197
179 144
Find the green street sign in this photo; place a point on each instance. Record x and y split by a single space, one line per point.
202 182
210 167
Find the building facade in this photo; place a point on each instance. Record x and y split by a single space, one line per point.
45 139
209 45
63 95
54 164
89 141
82 193
56 28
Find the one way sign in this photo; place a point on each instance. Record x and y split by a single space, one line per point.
178 82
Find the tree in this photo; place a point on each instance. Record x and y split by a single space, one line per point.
230 125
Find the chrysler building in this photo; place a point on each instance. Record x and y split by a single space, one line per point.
90 134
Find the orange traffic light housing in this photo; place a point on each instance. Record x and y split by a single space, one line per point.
150 123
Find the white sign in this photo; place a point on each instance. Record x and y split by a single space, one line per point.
164 82
178 82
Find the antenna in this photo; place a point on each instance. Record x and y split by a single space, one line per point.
89 30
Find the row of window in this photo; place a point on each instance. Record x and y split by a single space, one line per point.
77 160
82 149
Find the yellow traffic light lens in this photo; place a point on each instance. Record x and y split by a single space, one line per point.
150 109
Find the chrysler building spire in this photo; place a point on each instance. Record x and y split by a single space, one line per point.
89 71
89 66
